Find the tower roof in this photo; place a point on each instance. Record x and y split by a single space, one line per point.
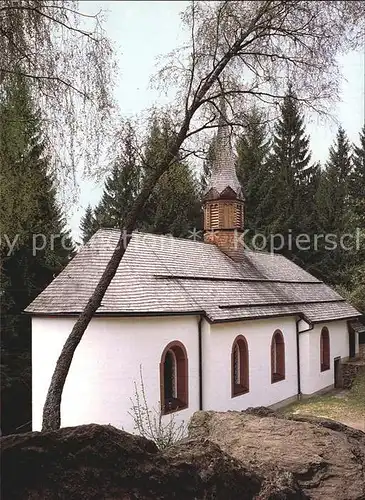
224 177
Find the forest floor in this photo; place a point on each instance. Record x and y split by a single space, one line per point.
345 406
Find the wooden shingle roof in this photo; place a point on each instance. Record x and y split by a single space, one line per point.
358 327
165 275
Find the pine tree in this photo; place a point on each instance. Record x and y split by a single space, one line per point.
88 224
290 163
357 290
28 209
120 189
174 204
357 181
252 170
333 196
356 271
122 185
333 210
293 179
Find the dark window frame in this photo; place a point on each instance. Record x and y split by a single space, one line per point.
277 357
324 349
181 400
240 343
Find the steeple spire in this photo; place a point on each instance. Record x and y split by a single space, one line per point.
223 197
223 169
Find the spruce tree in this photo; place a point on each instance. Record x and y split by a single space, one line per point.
357 181
333 210
293 179
356 287
88 224
333 196
29 213
121 186
174 204
252 170
120 190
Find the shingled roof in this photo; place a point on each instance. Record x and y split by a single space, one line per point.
164 275
358 327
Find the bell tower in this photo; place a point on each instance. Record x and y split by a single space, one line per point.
223 200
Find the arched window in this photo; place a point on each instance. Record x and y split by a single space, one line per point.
174 378
239 366
325 349
277 357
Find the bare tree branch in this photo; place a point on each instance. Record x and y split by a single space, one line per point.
70 69
51 78
53 19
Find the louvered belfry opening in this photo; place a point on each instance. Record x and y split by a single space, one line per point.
223 197
223 214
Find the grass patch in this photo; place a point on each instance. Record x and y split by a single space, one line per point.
326 406
344 406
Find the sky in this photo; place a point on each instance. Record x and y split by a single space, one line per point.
143 30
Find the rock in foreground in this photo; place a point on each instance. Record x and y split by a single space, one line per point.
101 462
326 458
228 456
